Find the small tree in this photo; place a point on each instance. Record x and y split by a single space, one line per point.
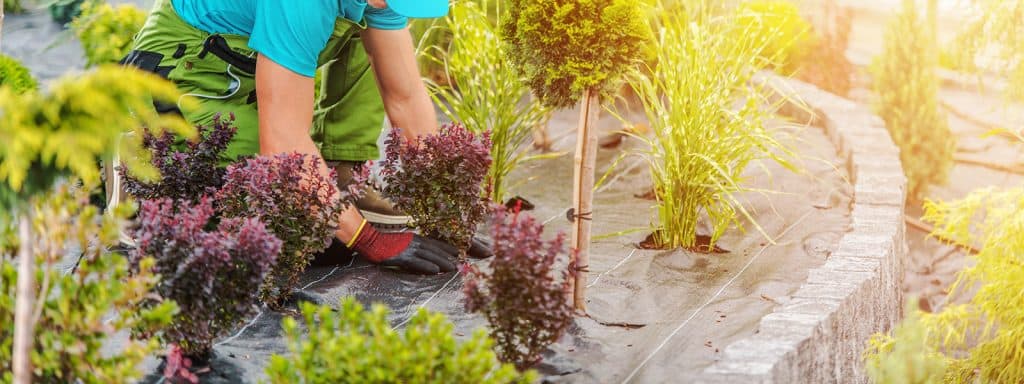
522 293
908 100
573 50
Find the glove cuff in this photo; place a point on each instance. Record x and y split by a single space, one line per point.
379 246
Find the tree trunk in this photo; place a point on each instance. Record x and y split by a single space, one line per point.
583 196
23 326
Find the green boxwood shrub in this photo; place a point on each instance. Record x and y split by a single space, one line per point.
567 47
359 346
15 75
908 100
80 310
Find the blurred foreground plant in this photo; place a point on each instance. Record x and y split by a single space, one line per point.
484 93
360 346
522 293
438 180
106 32
212 275
81 306
980 340
708 124
908 100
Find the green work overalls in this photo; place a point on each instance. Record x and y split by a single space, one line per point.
219 71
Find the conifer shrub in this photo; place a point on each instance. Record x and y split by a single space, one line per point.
15 75
566 47
979 341
908 100
522 293
708 124
79 310
211 274
187 172
355 345
482 92
783 35
438 180
298 205
107 32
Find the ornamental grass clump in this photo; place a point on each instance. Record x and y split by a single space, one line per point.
979 341
211 274
784 35
187 172
522 293
15 76
708 124
297 203
439 181
354 345
106 32
484 93
78 310
908 100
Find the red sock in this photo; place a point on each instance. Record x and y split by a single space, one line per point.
379 246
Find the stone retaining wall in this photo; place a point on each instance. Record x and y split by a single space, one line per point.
818 336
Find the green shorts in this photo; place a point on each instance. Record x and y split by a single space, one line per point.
219 71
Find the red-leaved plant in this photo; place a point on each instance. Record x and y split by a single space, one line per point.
211 274
522 294
298 204
187 172
438 180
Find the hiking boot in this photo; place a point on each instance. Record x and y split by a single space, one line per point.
377 209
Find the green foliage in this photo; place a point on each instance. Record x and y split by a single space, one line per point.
905 357
13 6
485 94
707 121
908 100
997 34
980 340
15 75
80 120
359 346
78 311
106 32
785 36
568 47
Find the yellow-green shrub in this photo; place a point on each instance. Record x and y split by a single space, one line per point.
980 340
354 345
906 357
106 32
784 36
15 75
908 100
996 32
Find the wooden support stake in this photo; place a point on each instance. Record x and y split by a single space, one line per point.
25 299
583 196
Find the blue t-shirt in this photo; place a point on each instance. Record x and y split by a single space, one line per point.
290 32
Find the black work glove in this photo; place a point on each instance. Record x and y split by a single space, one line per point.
405 250
480 248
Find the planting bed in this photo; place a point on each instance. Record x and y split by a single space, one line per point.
654 316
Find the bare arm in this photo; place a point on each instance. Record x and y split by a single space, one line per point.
405 96
285 118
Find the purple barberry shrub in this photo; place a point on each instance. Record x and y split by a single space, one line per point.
300 206
211 274
523 292
439 181
188 171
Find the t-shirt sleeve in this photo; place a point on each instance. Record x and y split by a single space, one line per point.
384 18
291 35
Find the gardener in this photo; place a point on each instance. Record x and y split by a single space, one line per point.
256 59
